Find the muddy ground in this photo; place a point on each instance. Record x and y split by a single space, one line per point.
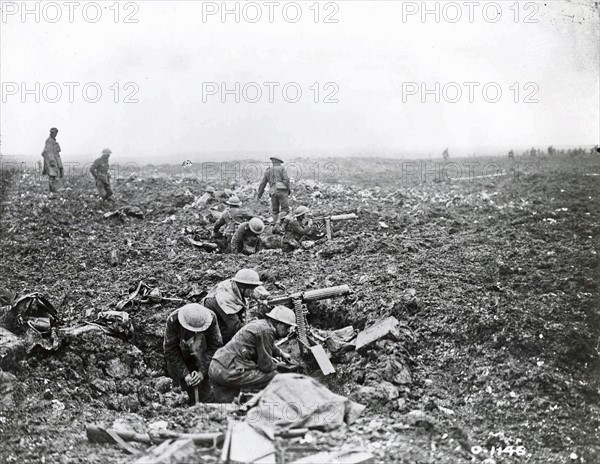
495 278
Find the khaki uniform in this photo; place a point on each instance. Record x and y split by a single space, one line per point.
100 171
293 233
245 362
187 351
231 219
53 166
279 189
229 306
245 241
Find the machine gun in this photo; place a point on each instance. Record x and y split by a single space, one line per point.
327 220
298 301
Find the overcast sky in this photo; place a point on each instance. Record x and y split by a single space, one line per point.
174 64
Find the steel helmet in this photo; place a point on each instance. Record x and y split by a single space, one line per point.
195 317
283 314
53 129
234 201
256 225
106 151
248 277
300 210
209 189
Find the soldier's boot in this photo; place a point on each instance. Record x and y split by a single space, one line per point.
52 183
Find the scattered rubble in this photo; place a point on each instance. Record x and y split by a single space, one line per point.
473 280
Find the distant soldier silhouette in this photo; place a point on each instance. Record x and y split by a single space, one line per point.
100 171
445 154
53 166
511 154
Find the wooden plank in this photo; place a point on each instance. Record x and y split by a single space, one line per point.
227 443
389 326
338 457
122 443
249 446
152 452
169 452
178 450
322 359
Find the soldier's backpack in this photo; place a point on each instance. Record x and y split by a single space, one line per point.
30 311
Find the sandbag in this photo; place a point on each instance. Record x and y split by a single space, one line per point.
293 401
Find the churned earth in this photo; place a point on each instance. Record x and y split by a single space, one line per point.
493 276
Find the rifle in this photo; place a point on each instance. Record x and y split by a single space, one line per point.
329 219
298 300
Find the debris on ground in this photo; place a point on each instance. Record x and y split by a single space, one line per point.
497 311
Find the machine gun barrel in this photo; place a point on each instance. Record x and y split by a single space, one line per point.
337 217
311 295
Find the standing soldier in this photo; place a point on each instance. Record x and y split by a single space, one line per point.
100 172
53 166
279 189
229 301
231 218
192 337
246 239
247 361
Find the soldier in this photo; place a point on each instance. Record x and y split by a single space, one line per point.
246 238
295 229
53 166
279 189
208 197
247 361
229 301
101 174
192 337
231 218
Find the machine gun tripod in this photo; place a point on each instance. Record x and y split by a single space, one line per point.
306 340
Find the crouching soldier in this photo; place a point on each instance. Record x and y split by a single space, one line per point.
246 239
231 218
247 361
192 337
296 229
100 171
229 301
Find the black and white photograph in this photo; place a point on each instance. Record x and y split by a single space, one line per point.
300 232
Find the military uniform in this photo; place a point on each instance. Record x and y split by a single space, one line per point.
53 166
187 351
279 189
293 233
245 362
245 241
231 219
100 171
229 306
